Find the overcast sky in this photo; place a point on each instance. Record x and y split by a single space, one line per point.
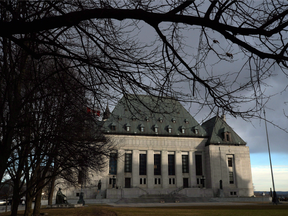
252 132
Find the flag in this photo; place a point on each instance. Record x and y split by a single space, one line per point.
93 111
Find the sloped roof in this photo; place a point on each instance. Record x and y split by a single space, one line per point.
216 127
148 112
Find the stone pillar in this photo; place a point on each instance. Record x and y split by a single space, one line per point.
135 168
120 169
150 168
164 169
192 169
178 169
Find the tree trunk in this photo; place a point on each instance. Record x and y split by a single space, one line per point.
37 206
15 200
51 190
28 205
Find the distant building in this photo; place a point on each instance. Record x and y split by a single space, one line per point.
162 149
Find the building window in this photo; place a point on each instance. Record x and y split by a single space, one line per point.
157 181
128 162
230 162
156 128
113 164
198 164
128 127
142 128
147 119
231 178
171 164
169 129
113 126
186 121
173 120
185 165
142 180
227 136
183 130
160 120
134 118
171 181
196 131
142 164
157 164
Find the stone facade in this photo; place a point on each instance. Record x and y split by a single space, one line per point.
168 153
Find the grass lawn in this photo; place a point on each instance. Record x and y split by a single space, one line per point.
239 210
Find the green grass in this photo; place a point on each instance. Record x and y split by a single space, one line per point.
231 210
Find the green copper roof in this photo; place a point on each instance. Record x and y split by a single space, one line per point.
148 113
216 128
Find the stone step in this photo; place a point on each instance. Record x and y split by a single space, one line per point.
164 199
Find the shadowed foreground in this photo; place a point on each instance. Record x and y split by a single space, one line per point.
235 210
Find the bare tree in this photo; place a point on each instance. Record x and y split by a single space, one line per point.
54 135
103 42
120 61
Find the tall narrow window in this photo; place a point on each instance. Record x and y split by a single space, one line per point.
231 178
171 164
198 163
157 164
227 137
113 164
185 167
230 162
128 162
142 164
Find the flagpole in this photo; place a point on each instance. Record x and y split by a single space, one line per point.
274 196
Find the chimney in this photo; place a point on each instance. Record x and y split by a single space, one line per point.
223 117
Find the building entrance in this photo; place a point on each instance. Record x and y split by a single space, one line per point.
127 182
185 182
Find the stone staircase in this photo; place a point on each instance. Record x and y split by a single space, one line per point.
170 198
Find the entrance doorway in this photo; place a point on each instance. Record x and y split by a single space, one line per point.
185 182
127 182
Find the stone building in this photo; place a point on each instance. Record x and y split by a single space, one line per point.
162 149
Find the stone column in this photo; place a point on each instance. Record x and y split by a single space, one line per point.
192 169
120 169
164 169
135 168
150 168
178 169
